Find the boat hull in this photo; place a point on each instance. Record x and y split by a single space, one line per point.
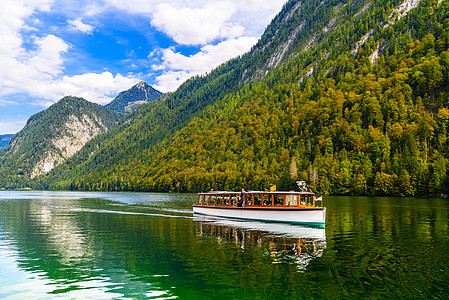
311 216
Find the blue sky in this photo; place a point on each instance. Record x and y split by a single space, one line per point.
96 48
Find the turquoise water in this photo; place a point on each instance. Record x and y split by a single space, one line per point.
141 245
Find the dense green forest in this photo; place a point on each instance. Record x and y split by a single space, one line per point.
309 102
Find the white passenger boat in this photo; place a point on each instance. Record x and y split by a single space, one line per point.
273 206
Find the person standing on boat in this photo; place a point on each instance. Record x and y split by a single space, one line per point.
242 195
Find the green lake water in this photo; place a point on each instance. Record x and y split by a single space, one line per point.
69 245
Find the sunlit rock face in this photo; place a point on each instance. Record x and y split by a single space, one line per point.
78 131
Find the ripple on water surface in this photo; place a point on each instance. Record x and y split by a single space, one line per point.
136 245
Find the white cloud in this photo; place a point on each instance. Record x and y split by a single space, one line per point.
255 15
31 71
38 72
80 26
179 68
133 6
171 80
7 102
47 58
92 86
197 22
11 127
26 70
196 25
17 64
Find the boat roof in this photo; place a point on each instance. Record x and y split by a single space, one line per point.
257 192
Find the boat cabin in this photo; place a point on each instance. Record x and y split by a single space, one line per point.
257 199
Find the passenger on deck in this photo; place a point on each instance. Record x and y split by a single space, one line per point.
242 196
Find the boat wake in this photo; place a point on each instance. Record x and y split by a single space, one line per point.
92 210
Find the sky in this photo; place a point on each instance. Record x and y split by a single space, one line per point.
97 48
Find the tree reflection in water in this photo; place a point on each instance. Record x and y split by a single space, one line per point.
281 243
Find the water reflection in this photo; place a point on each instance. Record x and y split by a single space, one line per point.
64 234
281 243
127 245
53 245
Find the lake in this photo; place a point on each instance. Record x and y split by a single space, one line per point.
150 245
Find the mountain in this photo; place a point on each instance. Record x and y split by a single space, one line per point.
351 96
129 100
4 140
52 136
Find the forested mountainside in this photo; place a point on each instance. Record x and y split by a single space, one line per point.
351 96
129 100
52 136
4 140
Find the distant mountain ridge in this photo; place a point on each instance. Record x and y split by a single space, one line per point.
4 140
128 101
53 135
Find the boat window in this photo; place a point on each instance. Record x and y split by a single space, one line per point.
278 200
267 200
234 200
307 200
292 200
282 200
248 199
310 200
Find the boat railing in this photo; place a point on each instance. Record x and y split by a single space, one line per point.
258 199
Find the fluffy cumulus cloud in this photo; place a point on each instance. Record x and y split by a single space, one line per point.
17 64
201 21
78 25
37 70
20 66
178 67
37 73
100 88
196 25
